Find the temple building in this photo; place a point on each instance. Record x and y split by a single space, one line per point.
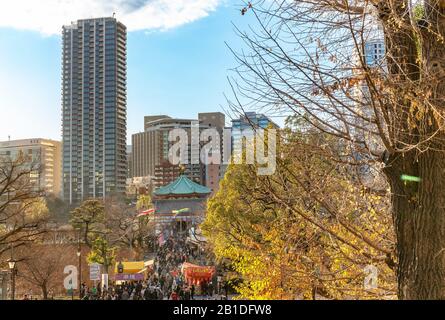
183 201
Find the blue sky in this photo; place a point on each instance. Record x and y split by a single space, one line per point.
176 67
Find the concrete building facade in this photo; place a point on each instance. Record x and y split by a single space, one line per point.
150 156
245 126
45 155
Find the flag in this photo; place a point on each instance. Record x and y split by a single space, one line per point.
146 213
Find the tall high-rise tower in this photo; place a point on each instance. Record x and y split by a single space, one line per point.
94 106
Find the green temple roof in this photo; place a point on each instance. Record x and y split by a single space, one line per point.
182 186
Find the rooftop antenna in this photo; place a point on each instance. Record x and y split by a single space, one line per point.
114 14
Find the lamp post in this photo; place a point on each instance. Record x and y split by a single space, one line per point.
12 268
79 256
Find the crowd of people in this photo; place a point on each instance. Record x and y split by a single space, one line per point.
166 281
168 262
139 290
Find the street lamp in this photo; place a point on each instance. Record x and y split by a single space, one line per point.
79 256
11 263
12 267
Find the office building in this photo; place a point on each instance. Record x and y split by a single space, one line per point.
43 155
215 168
150 156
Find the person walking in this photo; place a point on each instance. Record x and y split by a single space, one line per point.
181 294
147 293
226 289
210 289
83 290
125 295
204 288
99 289
174 296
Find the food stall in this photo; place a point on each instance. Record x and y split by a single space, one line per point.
194 274
128 271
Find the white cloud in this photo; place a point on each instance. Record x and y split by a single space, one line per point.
48 16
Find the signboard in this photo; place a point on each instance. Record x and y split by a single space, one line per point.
95 272
129 277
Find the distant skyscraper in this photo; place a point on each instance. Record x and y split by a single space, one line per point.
244 127
94 104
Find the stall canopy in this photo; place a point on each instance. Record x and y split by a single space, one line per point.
131 267
195 274
148 265
133 270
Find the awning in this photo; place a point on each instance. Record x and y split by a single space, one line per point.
149 263
143 270
130 267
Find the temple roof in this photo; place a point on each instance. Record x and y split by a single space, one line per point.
182 186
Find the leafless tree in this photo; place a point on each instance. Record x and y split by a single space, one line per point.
125 229
22 208
42 266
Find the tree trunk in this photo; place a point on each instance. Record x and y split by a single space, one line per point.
419 219
44 292
415 64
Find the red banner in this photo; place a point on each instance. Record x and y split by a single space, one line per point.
191 271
